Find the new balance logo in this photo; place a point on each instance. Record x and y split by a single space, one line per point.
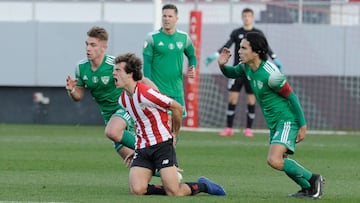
166 161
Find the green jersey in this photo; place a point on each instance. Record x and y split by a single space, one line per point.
265 82
101 85
163 60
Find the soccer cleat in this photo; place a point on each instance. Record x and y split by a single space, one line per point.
227 132
317 183
305 192
248 132
315 191
213 188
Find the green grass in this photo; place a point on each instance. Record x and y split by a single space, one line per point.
51 163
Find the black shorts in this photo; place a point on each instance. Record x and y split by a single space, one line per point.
235 85
155 157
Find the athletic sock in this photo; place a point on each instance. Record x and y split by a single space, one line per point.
128 139
230 115
197 187
297 172
250 115
155 190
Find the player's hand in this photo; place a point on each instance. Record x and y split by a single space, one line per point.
70 83
301 134
278 63
128 159
211 58
224 56
191 72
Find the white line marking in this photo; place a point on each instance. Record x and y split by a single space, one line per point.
319 132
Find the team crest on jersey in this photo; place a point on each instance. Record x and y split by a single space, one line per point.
171 46
241 36
259 84
179 45
95 79
105 79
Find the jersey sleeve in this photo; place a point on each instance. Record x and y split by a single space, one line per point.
190 51
233 71
295 103
156 99
80 81
147 55
147 66
148 45
277 81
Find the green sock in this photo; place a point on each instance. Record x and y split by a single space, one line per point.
128 139
297 172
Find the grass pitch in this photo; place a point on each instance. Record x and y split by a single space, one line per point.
51 163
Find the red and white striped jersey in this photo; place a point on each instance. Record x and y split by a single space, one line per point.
148 108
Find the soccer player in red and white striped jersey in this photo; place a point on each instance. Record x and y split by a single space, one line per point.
154 139
151 123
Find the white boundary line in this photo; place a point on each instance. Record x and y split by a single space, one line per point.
318 132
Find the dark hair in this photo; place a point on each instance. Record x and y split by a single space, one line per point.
99 33
170 6
133 64
258 44
247 10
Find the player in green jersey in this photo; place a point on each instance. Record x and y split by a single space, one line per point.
163 55
281 109
95 74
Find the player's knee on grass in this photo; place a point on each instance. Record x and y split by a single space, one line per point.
138 189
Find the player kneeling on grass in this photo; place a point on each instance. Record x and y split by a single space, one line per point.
154 140
280 106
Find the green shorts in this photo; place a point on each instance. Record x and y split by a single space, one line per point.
181 101
285 134
129 125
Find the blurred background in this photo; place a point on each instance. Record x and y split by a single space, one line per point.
318 43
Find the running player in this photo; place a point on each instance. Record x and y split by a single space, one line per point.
280 106
95 74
